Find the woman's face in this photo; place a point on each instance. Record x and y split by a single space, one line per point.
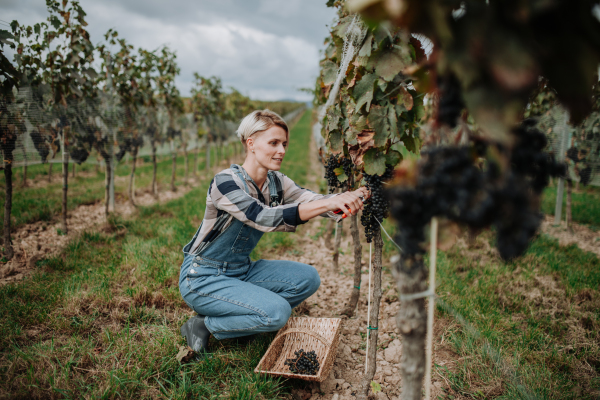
269 147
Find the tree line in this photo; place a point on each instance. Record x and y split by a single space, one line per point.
74 98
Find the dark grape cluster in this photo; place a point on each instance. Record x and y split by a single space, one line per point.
334 162
305 363
450 103
376 209
452 184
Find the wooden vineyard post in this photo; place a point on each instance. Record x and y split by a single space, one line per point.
373 319
50 172
132 177
154 182
349 310
336 247
174 164
8 249
569 216
196 151
187 162
65 188
207 160
431 306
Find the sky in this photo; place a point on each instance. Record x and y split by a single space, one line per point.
266 49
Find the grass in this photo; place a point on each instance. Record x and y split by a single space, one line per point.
541 313
585 206
102 319
31 204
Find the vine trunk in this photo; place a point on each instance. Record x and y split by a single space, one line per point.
373 317
412 322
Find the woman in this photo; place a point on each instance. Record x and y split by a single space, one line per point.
233 295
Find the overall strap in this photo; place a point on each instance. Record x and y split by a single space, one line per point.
274 189
241 176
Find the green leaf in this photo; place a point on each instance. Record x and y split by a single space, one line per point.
330 70
389 64
393 158
338 171
342 177
374 161
380 122
365 50
363 91
375 387
335 141
410 143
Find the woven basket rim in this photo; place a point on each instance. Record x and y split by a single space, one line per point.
329 351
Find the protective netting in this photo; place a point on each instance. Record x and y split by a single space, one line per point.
578 146
91 129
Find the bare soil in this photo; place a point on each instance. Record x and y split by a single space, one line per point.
331 299
44 239
585 238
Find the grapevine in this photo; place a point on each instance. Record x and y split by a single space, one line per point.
334 167
451 184
377 208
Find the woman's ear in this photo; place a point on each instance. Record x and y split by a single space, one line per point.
250 144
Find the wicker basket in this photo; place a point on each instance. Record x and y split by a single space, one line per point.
319 334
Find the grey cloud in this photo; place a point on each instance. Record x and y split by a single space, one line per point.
267 49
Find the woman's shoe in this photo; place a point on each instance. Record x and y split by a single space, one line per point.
196 333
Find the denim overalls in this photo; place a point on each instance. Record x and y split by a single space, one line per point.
239 296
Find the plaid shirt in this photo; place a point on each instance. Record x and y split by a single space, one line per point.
228 199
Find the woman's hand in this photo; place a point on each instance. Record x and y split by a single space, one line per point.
349 202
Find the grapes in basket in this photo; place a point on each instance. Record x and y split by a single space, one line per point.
305 363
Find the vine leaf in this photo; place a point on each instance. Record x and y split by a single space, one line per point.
365 142
363 91
335 142
383 119
365 50
389 64
330 70
393 157
374 160
405 98
410 143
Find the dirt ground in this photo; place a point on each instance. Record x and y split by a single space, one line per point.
331 298
585 238
42 239
39 239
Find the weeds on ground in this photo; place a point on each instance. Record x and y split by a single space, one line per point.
536 321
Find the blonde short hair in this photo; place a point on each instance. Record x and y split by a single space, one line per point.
259 121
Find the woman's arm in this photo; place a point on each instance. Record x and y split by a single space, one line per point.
227 194
348 202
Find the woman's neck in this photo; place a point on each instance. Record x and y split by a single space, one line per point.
257 172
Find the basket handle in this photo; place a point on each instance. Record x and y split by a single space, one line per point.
302 330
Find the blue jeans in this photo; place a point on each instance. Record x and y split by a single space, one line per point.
238 296
246 298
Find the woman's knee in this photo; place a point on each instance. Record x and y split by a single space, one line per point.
279 315
312 280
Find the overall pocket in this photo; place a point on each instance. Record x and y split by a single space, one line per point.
246 239
197 274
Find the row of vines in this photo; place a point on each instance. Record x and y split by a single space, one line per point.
74 98
435 106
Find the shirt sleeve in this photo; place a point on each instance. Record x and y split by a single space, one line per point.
227 194
294 194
